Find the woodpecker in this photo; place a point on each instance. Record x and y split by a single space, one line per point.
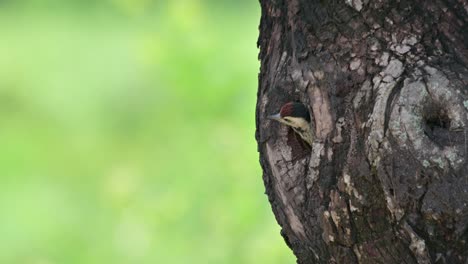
296 116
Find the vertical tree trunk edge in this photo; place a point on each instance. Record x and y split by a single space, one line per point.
386 178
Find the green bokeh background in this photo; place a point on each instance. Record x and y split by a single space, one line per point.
127 134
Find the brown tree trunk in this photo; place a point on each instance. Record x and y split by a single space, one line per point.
386 180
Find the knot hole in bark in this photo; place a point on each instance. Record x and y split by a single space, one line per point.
429 120
436 125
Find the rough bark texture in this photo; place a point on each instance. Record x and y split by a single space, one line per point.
386 180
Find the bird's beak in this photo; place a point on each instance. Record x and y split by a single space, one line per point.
276 117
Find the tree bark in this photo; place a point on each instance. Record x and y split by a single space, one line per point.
386 180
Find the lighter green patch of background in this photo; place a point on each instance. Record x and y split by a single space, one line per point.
127 134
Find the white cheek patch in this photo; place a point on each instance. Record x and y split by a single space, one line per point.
299 123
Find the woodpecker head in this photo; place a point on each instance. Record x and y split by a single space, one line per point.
297 117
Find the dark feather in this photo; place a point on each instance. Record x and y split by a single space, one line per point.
294 109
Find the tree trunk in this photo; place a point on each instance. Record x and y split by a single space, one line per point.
386 180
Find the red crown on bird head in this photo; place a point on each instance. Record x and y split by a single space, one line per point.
294 109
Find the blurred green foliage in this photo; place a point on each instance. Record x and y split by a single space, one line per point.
127 134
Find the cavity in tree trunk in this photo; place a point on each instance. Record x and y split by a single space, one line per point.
386 179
